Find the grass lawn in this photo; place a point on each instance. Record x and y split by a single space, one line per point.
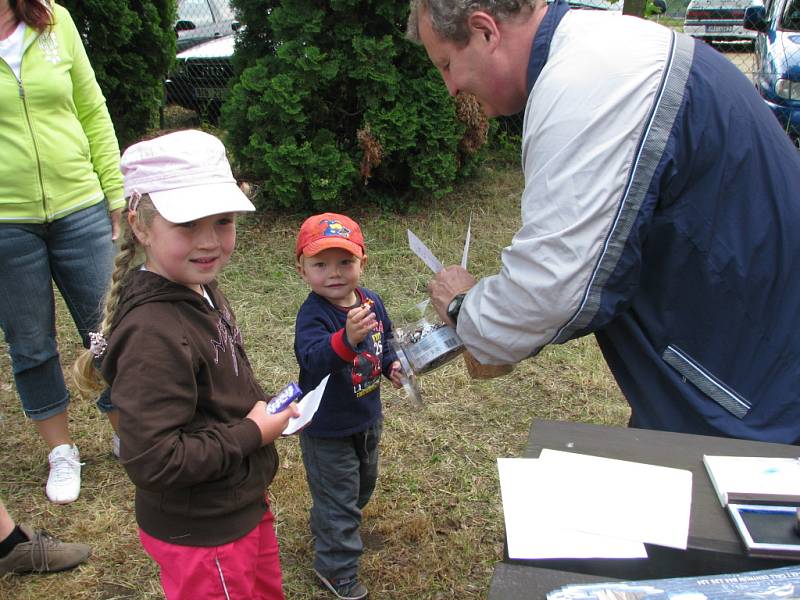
434 528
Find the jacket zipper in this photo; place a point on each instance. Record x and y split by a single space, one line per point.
24 98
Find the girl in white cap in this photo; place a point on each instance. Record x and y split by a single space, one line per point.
196 439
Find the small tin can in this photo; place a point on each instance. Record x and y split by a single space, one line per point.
428 345
421 348
284 398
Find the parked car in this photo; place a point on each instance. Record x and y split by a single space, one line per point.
596 5
200 79
717 20
777 59
656 6
203 20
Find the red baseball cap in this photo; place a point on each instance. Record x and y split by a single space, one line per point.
329 230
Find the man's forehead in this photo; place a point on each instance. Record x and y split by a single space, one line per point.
436 45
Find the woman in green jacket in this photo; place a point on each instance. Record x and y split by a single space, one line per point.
60 201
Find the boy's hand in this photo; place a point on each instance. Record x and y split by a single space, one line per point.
360 321
395 372
271 426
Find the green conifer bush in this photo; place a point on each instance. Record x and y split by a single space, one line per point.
131 45
333 106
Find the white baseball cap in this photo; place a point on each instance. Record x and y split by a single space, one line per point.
186 174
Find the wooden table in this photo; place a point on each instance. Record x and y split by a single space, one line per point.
713 545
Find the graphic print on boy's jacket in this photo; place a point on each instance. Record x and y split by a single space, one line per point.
366 368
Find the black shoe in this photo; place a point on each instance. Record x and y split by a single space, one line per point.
345 588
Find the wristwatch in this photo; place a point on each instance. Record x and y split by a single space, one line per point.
455 306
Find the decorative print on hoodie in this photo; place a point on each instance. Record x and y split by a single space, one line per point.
49 45
228 337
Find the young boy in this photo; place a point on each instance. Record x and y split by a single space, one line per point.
341 330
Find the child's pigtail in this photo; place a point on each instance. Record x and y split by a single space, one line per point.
85 373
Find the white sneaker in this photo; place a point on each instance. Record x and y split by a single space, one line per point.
64 482
115 445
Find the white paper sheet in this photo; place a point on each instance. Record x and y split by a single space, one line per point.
308 405
531 534
624 499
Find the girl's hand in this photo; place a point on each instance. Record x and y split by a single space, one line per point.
360 321
395 371
271 426
115 215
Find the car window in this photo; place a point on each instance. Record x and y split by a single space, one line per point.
196 11
790 19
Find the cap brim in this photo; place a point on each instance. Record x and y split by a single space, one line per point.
181 205
319 245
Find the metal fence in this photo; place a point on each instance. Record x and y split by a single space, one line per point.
199 81
765 50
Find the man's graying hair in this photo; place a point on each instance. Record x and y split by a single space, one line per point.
449 17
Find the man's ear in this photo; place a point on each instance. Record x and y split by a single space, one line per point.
138 232
484 25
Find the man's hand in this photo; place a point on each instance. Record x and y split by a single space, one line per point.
445 285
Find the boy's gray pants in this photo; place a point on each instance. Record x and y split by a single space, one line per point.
341 473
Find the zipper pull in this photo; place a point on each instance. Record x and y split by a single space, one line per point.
21 89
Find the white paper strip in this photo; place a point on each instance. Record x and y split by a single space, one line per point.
465 255
419 248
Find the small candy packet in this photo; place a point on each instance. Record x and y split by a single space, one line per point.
284 398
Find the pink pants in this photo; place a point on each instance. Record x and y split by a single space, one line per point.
247 568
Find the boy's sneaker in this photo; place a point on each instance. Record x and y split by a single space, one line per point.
64 482
344 589
42 554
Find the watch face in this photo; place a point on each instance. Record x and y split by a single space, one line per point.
455 306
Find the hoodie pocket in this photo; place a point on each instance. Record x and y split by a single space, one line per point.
706 382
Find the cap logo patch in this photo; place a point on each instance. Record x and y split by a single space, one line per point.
334 228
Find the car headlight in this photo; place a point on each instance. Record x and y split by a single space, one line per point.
788 89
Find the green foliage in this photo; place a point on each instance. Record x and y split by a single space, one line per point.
334 107
131 45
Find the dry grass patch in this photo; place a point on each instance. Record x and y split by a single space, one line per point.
434 529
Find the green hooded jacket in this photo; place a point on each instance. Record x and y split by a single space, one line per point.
58 150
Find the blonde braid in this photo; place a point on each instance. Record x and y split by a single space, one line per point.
85 374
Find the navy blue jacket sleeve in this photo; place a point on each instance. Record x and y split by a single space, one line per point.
313 348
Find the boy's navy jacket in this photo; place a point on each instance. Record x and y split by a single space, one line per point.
352 399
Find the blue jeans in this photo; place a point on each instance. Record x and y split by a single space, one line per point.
341 473
77 253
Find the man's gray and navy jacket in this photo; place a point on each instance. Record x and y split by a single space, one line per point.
661 211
